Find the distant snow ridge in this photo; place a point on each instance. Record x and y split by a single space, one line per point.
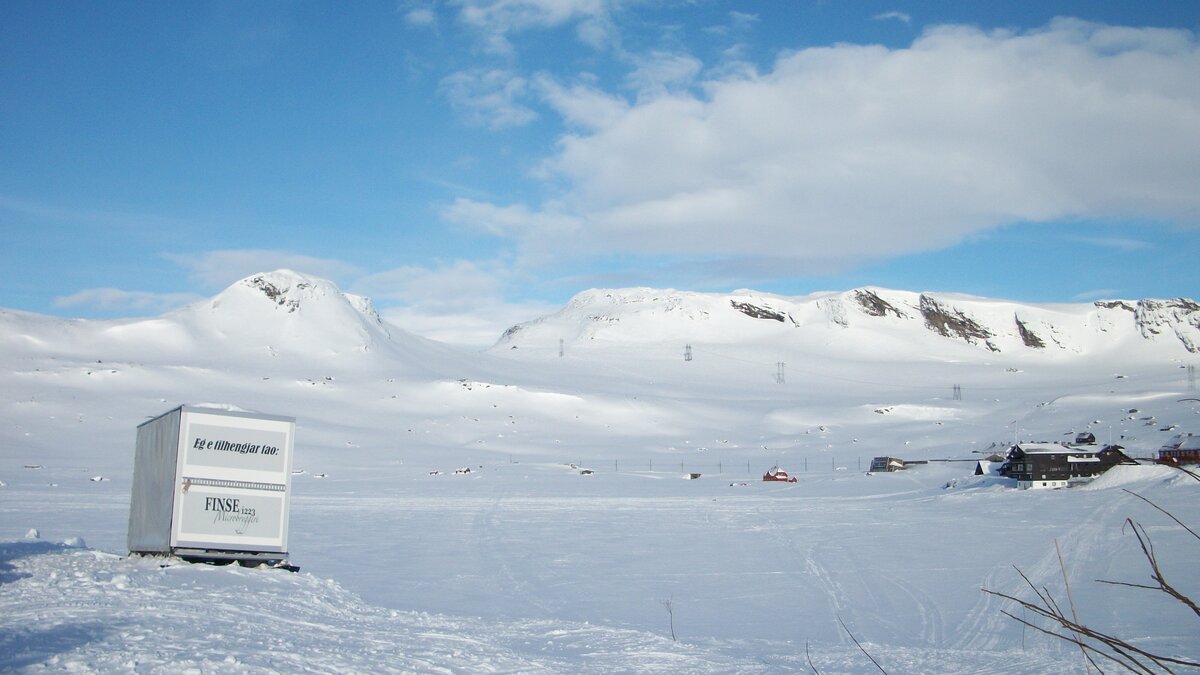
881 317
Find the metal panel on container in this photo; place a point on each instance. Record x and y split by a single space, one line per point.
153 494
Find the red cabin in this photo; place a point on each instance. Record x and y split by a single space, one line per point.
1182 449
777 474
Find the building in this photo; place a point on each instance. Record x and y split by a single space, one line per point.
1181 449
882 464
1053 465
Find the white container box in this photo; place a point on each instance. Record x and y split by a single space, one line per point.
211 484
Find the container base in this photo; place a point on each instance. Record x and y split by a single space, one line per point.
243 558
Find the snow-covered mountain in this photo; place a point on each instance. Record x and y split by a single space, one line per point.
869 319
279 314
289 314
289 311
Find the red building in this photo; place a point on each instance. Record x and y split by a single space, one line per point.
1182 449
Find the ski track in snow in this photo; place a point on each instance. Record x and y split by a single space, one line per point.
533 558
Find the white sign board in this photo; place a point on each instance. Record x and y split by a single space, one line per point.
232 482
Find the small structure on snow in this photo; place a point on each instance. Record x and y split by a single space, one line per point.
775 474
988 467
212 485
885 464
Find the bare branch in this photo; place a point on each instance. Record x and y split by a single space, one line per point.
669 604
1049 608
860 647
1164 511
1069 638
1156 572
808 655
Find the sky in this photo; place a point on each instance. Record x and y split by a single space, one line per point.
473 164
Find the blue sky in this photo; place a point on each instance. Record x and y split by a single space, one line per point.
475 163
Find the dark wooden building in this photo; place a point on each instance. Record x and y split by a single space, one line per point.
1053 465
883 464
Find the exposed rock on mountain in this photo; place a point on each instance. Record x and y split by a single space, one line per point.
1163 317
874 305
951 322
756 312
1028 337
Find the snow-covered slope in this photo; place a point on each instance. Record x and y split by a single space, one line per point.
868 319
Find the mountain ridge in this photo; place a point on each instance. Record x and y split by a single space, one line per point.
286 312
993 325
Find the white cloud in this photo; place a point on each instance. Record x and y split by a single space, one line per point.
488 98
581 105
1098 294
459 302
443 289
515 220
1122 244
661 72
851 152
496 19
893 16
113 299
420 17
217 269
742 20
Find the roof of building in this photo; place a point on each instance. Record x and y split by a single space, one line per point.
1183 442
1043 448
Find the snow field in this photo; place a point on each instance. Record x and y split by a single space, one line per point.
524 564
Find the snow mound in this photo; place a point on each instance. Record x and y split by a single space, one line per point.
1140 476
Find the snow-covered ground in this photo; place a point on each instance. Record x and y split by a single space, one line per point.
525 564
